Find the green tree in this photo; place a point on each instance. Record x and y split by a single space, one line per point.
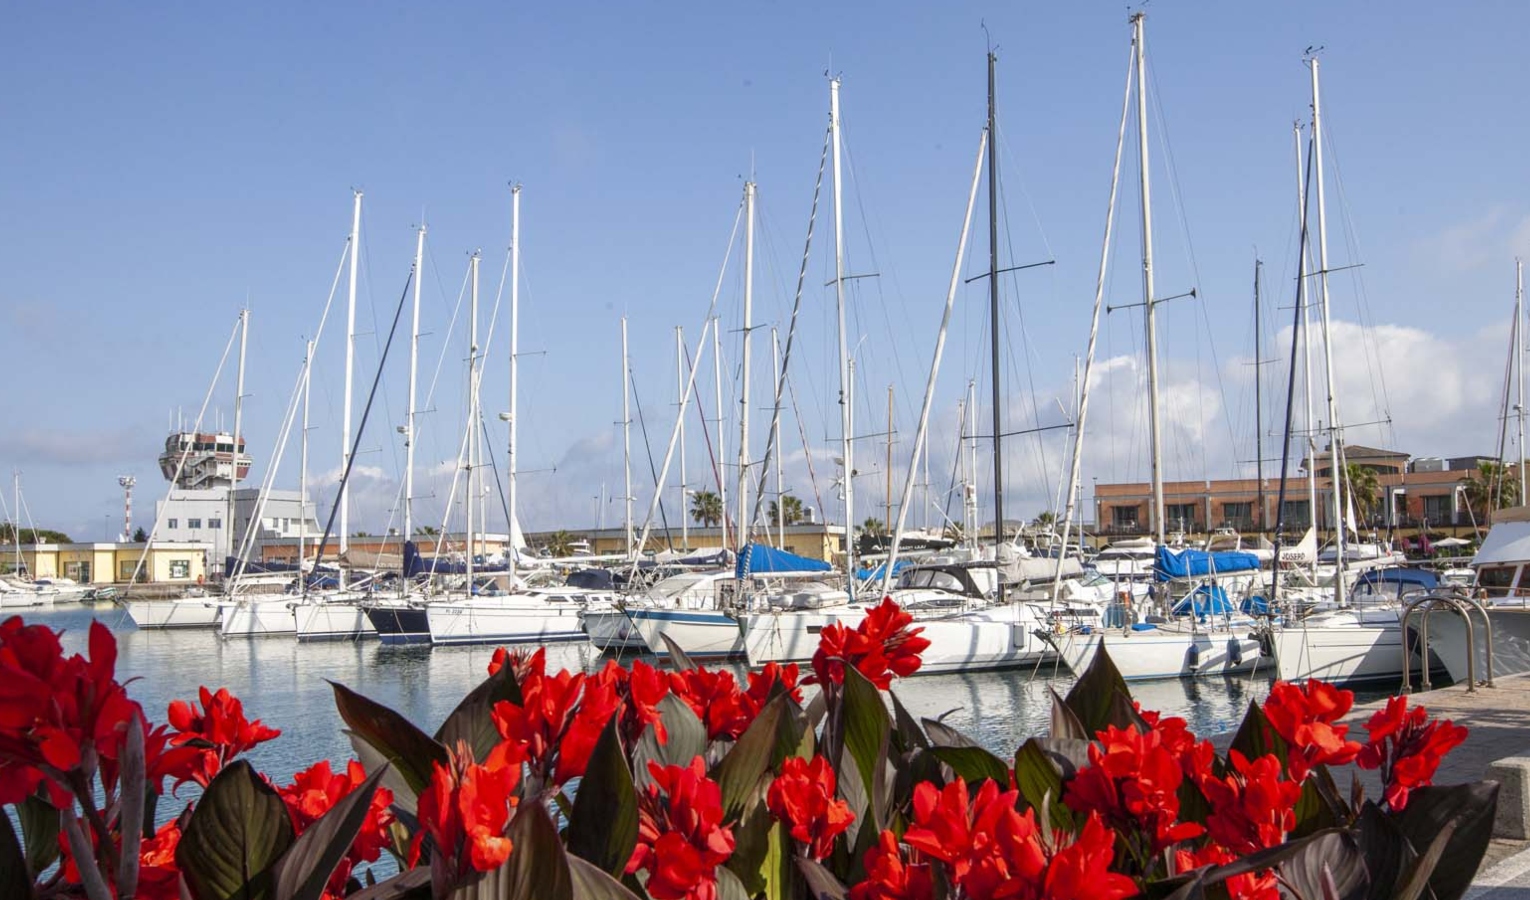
1046 518
139 536
427 531
1364 487
32 535
560 543
790 510
706 508
874 527
1492 486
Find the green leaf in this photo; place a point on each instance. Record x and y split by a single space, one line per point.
405 797
795 736
1470 808
1040 781
1065 723
678 659
728 885
603 825
908 735
1255 737
1329 863
411 885
234 837
591 883
131 789
943 735
822 885
472 721
304 870
739 773
15 880
686 740
39 830
752 848
973 764
1415 880
395 738
1100 695
1388 854
538 867
868 730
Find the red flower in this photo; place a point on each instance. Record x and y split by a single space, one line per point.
1195 757
761 683
555 732
890 877
1408 747
681 838
57 714
520 664
465 810
1132 781
1081 871
1260 885
158 876
716 700
220 731
802 797
636 694
1253 806
881 646
1304 717
314 791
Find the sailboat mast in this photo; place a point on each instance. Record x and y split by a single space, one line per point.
845 435
233 485
719 454
303 468
775 367
685 513
1333 406
744 514
1258 402
472 442
626 441
1519 367
969 501
350 362
512 523
1155 437
995 374
414 367
1306 332
887 467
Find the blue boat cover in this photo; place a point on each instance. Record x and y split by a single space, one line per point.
1206 600
1172 564
755 559
415 564
1422 578
880 572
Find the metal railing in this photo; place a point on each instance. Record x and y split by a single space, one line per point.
1455 599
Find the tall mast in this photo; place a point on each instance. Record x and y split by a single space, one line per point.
969 501
626 440
414 366
1258 404
722 483
244 337
303 469
1302 302
16 516
1154 436
1336 475
685 513
511 523
350 361
775 366
845 445
887 467
744 516
472 442
1519 367
995 373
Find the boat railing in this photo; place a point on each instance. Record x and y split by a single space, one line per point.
1462 602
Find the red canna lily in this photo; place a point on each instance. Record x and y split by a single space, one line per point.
802 797
681 838
465 810
1253 806
891 877
521 664
315 791
541 723
715 698
219 730
635 693
1305 717
1260 885
1408 747
1132 781
159 878
879 647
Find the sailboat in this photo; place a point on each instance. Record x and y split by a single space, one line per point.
1209 640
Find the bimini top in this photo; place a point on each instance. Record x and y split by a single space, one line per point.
1171 564
1507 542
1401 576
758 559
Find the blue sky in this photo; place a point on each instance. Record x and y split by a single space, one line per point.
166 164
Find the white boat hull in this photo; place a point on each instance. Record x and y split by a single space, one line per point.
610 629
1340 653
199 612
322 621
700 633
258 618
1511 641
24 600
995 638
507 621
1160 654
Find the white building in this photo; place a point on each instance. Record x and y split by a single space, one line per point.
204 516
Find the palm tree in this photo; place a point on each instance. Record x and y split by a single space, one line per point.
560 543
874 527
706 508
1364 487
1492 485
1046 518
790 510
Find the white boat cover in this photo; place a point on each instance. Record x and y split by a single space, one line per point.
1507 542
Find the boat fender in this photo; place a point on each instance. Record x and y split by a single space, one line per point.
1266 643
1193 657
1234 652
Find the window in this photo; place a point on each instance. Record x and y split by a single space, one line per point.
1496 579
1242 513
172 523
1123 516
1295 514
1180 515
180 569
214 523
193 523
1437 509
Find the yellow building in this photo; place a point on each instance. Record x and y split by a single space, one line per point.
814 540
112 563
